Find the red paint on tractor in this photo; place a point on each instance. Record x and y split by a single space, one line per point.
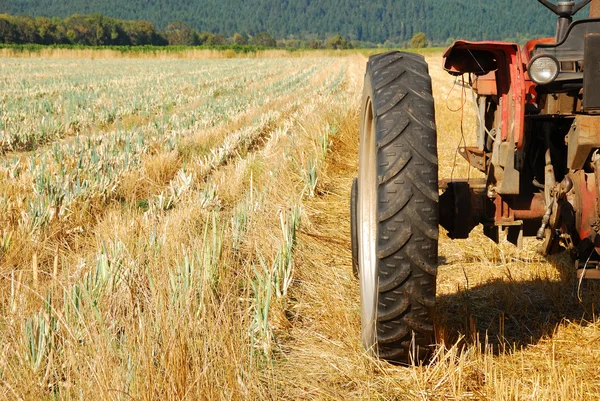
528 208
481 58
530 45
509 208
595 9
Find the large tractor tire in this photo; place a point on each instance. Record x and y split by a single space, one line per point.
397 208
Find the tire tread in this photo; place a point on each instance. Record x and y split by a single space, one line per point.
408 204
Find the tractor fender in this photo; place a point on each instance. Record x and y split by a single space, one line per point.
503 62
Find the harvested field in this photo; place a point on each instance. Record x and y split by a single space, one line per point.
179 230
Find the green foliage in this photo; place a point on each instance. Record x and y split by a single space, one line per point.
88 30
284 262
97 30
338 42
263 39
179 34
239 39
374 21
209 39
418 41
39 335
315 44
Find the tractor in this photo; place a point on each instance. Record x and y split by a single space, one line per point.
538 147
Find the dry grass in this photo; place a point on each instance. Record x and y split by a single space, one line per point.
189 53
170 54
193 54
219 268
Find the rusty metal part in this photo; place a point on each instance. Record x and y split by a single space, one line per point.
549 177
470 57
545 221
557 224
583 200
549 189
464 205
569 211
564 187
511 208
590 274
476 184
595 9
558 103
512 212
514 234
476 158
588 269
591 76
486 85
584 136
596 168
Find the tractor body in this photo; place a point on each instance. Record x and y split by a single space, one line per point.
538 139
538 147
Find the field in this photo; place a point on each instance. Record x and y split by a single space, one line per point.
178 229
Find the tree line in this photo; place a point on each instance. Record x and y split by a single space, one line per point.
375 21
99 30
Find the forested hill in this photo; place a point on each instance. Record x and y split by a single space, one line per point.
365 20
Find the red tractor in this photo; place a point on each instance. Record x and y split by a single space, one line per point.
538 144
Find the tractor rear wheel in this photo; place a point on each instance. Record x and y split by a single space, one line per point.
397 208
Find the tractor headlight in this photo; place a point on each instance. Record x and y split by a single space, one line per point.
543 69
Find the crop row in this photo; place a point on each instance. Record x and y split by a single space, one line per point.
70 175
43 100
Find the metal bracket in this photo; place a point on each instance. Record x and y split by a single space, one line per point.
476 158
590 271
514 233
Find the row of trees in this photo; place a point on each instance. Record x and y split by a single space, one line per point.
370 21
94 30
99 30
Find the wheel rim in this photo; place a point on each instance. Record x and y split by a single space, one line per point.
353 226
367 228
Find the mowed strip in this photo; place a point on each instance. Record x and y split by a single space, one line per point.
512 325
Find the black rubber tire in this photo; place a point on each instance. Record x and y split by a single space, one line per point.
353 227
398 198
